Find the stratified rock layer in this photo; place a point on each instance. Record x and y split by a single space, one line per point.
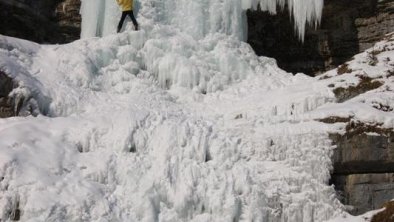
364 168
347 28
363 161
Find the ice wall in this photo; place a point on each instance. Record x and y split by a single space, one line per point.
194 44
99 17
199 17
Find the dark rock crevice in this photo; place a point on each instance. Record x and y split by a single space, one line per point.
42 21
13 103
6 105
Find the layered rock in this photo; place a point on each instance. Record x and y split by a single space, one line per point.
364 166
42 21
347 28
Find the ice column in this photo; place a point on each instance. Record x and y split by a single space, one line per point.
99 17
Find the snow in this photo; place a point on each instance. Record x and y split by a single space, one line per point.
117 146
173 124
361 218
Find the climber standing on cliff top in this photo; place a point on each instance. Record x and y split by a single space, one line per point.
127 9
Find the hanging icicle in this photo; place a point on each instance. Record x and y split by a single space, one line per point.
304 12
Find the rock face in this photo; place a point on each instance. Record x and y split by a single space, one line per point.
363 161
364 166
347 28
365 191
13 102
69 19
351 158
43 21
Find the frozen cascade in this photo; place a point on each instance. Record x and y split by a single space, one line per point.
180 121
194 44
200 17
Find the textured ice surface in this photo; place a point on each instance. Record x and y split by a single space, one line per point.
161 125
120 147
199 17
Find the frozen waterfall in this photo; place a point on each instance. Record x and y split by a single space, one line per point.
180 121
195 44
199 17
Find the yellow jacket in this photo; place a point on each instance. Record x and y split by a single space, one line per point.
126 5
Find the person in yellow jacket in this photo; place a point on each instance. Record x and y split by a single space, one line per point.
127 10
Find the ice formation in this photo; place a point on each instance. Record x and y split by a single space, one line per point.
170 123
200 17
184 34
115 146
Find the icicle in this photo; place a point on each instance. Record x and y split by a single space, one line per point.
304 12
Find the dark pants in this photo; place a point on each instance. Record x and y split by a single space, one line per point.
124 14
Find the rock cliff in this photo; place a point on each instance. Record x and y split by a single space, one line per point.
364 167
363 161
347 28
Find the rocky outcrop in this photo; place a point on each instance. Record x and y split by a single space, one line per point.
364 166
6 106
69 19
347 28
43 21
363 163
16 100
366 84
364 192
378 21
365 148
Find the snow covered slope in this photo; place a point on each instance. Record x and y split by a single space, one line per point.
116 145
160 125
